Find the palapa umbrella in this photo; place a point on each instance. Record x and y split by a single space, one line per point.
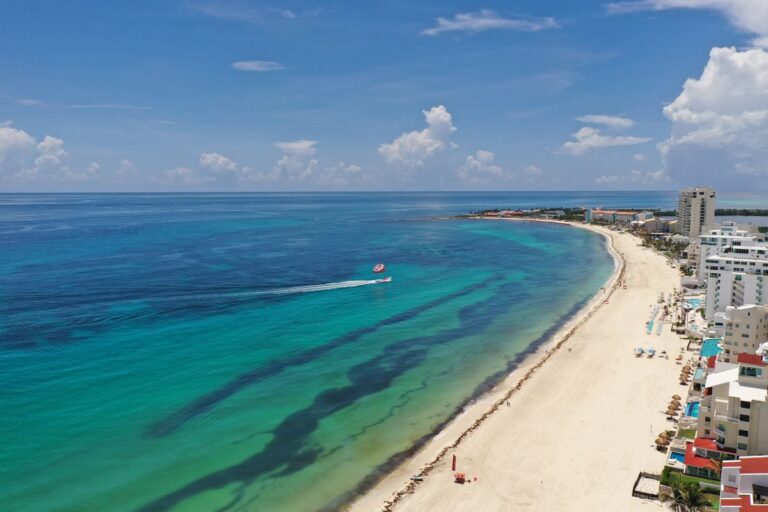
675 401
661 441
671 412
675 397
664 435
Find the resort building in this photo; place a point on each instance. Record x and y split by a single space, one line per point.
735 277
744 485
695 210
716 240
745 329
624 217
733 412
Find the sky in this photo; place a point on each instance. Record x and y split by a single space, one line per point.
244 95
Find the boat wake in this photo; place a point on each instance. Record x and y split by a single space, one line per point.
290 290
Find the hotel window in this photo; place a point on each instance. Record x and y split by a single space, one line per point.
743 417
745 404
742 446
749 371
744 433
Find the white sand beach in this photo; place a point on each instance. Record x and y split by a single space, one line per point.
577 431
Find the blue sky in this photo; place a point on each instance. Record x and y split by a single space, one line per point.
389 95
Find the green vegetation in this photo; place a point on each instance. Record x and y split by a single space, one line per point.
687 494
687 433
742 212
666 246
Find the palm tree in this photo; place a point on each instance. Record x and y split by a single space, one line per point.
694 498
677 502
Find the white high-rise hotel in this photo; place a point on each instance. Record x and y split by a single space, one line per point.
735 277
695 210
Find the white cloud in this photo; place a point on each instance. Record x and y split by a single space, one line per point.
259 66
720 120
480 168
184 176
639 157
533 173
635 177
412 149
343 175
13 142
486 19
217 162
296 164
614 122
748 15
126 171
588 138
233 10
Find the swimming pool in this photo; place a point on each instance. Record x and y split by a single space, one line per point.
693 303
709 347
680 457
692 409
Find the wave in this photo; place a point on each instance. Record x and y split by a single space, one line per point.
290 290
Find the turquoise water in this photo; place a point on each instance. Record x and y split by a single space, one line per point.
228 352
680 457
709 347
692 409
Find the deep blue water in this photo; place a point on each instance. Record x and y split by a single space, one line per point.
229 351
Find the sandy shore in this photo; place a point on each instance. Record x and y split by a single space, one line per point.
581 417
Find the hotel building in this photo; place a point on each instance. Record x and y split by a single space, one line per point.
735 277
745 329
733 413
695 210
716 240
744 485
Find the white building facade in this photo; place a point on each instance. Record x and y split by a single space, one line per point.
736 277
715 240
695 210
745 329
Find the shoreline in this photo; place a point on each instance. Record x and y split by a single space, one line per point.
481 408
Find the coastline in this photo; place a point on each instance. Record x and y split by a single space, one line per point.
393 488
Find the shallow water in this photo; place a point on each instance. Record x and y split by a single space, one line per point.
229 352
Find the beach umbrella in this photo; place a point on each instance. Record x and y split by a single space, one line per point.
664 435
661 441
671 412
676 397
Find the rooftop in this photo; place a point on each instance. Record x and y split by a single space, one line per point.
751 359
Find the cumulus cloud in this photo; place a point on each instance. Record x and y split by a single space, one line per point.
13 142
412 149
747 15
614 122
297 163
217 163
486 19
343 175
720 120
480 168
258 66
635 177
533 173
589 138
182 176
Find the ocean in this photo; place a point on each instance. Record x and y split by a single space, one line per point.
216 352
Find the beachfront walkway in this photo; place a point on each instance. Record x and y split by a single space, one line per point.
579 431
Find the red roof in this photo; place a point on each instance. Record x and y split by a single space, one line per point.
754 465
753 359
691 459
711 361
707 444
